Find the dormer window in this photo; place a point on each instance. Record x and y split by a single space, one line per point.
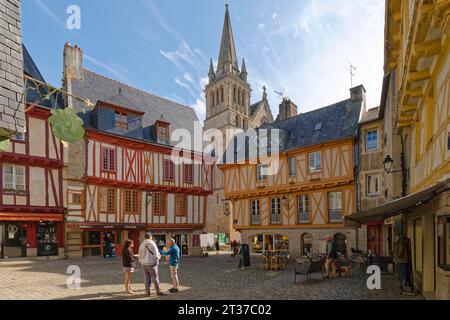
121 120
162 132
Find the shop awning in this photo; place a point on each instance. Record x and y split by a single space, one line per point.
31 217
398 206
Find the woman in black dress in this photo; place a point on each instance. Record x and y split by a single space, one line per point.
128 264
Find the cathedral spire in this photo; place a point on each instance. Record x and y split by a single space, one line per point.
227 56
244 72
211 74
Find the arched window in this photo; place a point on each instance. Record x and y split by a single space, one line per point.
306 244
341 243
234 94
221 94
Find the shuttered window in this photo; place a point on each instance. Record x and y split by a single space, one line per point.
159 204
188 173
169 170
131 202
108 159
181 205
107 200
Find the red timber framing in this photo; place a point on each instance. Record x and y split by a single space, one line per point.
51 161
137 168
134 174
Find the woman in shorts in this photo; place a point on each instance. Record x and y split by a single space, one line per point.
128 264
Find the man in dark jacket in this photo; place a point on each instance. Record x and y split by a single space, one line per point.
401 260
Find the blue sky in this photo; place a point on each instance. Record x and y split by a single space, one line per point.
301 48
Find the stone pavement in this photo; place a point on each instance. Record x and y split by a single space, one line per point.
215 277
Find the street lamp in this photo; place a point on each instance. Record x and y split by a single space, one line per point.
149 198
388 162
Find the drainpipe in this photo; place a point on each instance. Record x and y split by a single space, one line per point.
404 170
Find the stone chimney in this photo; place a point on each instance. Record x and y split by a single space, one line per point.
288 109
73 62
359 94
73 69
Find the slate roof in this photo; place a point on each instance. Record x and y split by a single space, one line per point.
96 87
335 122
254 107
31 70
338 121
371 115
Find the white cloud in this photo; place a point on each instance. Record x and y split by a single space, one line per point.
184 57
192 64
307 49
200 108
274 15
261 26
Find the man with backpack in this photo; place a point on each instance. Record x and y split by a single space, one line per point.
149 258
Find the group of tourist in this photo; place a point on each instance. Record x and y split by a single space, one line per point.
149 256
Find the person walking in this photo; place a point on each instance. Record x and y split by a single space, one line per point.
149 258
401 260
174 260
217 247
330 263
128 263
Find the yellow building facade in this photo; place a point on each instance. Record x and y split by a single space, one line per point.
312 191
418 53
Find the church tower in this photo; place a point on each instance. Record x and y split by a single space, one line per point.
228 108
228 92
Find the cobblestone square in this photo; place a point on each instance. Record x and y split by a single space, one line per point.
213 278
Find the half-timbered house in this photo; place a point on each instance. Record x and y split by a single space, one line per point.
313 189
31 191
122 180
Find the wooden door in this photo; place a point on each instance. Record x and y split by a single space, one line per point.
374 239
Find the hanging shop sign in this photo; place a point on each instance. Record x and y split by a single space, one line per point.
67 125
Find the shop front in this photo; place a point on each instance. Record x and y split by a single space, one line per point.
187 241
268 242
32 235
183 242
423 218
100 240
